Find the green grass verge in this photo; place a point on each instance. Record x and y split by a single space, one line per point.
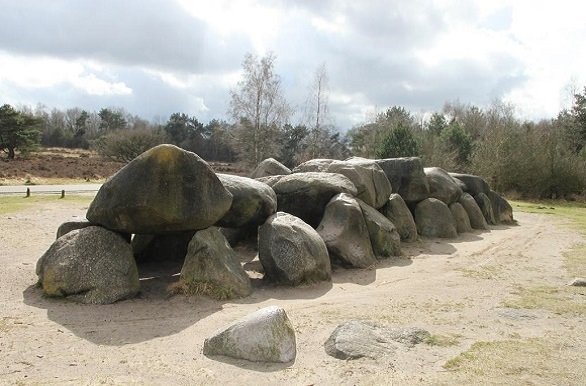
12 204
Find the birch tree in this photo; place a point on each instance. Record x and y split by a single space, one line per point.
259 108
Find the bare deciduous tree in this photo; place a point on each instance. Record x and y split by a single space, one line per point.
259 107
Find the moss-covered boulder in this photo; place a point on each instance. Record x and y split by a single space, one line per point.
486 207
434 219
212 268
89 265
252 202
305 195
345 232
165 189
384 238
270 167
461 218
477 220
472 184
263 336
292 252
443 186
407 177
398 213
501 209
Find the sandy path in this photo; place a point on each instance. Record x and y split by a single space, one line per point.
453 288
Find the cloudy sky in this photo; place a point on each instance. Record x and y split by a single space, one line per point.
156 57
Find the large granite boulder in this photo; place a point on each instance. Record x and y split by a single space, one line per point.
165 189
292 252
252 202
372 185
359 339
305 195
270 167
384 238
461 218
477 220
434 219
407 177
486 207
212 268
501 209
263 336
345 232
442 186
472 184
398 213
89 265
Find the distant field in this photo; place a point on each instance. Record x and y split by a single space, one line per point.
55 166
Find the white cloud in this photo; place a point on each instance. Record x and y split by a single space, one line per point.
45 72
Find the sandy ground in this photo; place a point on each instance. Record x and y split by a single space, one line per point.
454 288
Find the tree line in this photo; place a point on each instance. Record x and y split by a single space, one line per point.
534 159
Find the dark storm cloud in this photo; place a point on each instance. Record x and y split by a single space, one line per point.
154 33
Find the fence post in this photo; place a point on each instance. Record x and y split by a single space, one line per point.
63 193
28 192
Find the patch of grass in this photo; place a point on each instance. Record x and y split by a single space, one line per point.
12 204
443 340
487 272
525 361
575 261
201 289
565 300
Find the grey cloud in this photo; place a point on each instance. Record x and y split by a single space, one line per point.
154 33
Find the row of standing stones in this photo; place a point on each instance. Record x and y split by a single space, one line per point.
168 203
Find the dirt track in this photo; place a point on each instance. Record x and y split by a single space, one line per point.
458 290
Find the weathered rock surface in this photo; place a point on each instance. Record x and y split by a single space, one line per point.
372 185
89 265
384 238
501 209
398 213
486 207
314 165
359 339
472 184
264 336
305 195
292 252
407 177
434 219
461 218
270 180
477 220
252 202
165 189
442 186
270 167
345 232
212 268
69 226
